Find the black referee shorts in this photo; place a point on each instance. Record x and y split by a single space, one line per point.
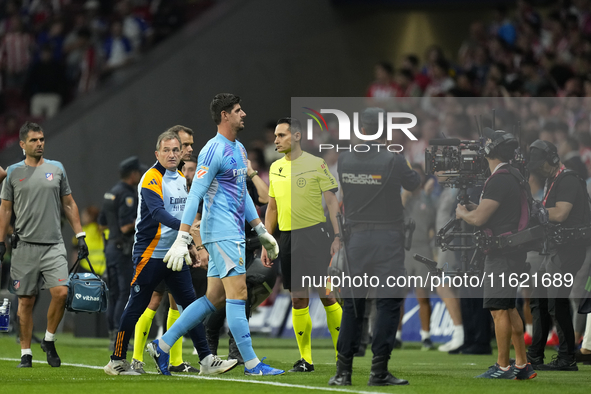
310 249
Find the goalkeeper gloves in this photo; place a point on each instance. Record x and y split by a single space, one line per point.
267 241
178 254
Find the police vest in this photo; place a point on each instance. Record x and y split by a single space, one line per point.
120 195
371 189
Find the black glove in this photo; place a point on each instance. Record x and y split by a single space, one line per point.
82 248
2 250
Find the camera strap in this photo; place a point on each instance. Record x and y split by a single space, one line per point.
491 175
567 172
547 193
512 237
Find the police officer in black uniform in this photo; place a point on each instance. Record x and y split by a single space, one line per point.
371 184
567 202
118 214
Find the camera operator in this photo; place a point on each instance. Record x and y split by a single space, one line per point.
376 247
499 210
566 200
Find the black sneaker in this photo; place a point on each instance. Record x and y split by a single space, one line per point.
386 379
582 357
302 366
183 367
559 364
535 361
26 361
340 379
52 358
477 350
427 344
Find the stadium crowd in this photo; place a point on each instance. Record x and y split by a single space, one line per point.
532 69
52 52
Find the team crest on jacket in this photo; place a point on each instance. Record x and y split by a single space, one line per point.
49 176
16 284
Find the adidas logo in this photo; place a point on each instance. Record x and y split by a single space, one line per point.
300 333
246 336
153 182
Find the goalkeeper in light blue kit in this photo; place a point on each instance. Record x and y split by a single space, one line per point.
220 180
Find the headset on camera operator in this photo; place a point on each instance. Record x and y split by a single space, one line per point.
499 210
567 202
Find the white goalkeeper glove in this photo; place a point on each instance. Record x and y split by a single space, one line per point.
267 241
178 254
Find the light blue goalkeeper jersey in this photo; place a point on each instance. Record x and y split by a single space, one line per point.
220 180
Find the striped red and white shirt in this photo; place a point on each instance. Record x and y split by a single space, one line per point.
16 52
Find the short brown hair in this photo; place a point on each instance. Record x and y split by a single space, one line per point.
28 126
177 128
222 102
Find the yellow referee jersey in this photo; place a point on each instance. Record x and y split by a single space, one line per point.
297 187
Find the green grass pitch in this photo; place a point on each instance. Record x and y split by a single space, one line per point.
428 372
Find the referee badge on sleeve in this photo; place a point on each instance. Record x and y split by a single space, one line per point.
129 201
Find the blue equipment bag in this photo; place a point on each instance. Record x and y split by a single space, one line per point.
87 292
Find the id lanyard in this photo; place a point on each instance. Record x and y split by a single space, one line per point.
546 194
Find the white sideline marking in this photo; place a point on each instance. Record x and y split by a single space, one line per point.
297 386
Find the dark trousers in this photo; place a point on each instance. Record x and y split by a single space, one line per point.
146 279
553 304
542 323
477 324
476 320
119 275
375 253
384 331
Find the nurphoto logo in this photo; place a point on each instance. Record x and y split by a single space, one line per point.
392 123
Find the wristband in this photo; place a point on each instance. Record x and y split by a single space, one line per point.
253 174
81 234
198 248
338 235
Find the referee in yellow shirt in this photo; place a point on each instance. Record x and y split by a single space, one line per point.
297 183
